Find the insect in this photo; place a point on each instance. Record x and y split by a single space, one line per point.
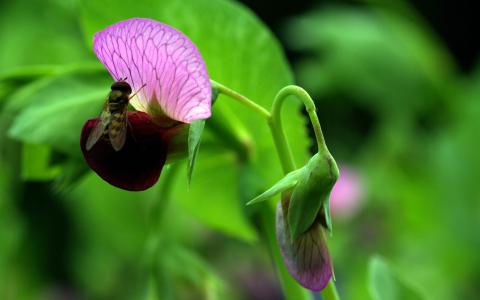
113 119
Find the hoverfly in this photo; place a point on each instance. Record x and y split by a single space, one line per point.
113 120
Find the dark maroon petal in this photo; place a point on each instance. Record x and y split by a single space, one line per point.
139 163
307 258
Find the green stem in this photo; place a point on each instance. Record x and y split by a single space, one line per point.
279 137
242 99
276 122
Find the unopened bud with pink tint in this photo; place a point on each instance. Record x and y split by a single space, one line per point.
303 219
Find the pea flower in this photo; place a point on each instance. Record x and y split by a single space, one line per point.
170 89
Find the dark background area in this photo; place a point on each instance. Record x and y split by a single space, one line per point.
455 22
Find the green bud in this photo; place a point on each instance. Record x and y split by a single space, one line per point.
311 194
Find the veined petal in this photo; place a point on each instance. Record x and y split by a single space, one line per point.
307 258
150 53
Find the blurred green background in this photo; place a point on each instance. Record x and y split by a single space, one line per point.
397 88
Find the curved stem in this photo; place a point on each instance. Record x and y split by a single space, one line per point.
293 90
240 98
280 139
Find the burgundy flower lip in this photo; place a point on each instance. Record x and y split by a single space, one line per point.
137 166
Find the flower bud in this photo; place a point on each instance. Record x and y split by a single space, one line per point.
311 193
302 217
306 257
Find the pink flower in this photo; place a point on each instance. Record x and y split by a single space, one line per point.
346 195
170 88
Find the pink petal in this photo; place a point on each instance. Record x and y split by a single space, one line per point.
149 52
307 258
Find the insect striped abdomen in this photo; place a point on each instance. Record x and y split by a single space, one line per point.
116 122
117 130
113 120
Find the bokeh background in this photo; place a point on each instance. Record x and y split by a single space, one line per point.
397 85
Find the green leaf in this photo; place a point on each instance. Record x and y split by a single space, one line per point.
56 112
284 184
28 73
11 80
177 259
241 53
174 263
112 226
73 169
36 163
210 198
23 96
311 193
21 86
30 36
194 135
385 284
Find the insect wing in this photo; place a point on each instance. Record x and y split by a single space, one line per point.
98 130
118 130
